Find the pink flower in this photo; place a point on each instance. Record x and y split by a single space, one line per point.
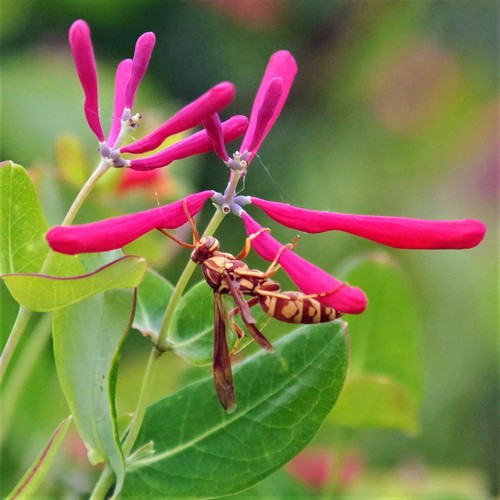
397 232
116 232
269 101
309 278
128 77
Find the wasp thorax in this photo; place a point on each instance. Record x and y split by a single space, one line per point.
204 249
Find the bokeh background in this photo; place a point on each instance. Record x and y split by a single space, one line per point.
394 111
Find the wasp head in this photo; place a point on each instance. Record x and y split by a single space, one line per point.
204 249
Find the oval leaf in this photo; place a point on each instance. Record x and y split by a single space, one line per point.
34 476
385 349
22 224
375 401
283 397
88 338
48 293
153 296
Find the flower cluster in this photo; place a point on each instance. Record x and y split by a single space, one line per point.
129 74
397 232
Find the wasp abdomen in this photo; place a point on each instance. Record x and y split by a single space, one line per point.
295 307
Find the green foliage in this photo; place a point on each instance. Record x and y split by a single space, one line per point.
201 451
30 482
22 223
49 293
192 330
384 385
88 338
153 296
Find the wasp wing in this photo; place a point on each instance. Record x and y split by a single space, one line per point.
223 376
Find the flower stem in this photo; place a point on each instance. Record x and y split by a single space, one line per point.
101 169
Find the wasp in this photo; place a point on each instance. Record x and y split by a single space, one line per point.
230 275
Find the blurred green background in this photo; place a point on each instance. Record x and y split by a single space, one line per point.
394 111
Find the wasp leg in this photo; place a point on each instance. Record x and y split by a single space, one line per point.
247 317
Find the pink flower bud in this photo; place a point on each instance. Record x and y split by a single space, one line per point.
110 234
214 130
309 278
142 55
266 112
282 65
121 81
83 55
397 232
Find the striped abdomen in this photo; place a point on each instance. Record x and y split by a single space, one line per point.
295 307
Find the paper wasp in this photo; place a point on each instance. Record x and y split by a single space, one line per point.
230 275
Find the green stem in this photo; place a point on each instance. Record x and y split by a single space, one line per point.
104 484
21 371
22 320
101 169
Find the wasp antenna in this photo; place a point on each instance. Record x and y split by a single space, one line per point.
173 238
196 235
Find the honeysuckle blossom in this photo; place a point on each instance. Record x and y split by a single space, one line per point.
397 232
269 101
116 232
128 77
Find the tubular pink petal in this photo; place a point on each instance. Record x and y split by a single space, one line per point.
83 55
123 72
195 144
190 116
282 65
110 234
309 278
271 98
142 55
213 127
396 232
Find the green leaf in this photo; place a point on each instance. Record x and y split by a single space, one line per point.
385 350
283 397
376 401
153 296
192 330
48 293
30 482
22 223
88 339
